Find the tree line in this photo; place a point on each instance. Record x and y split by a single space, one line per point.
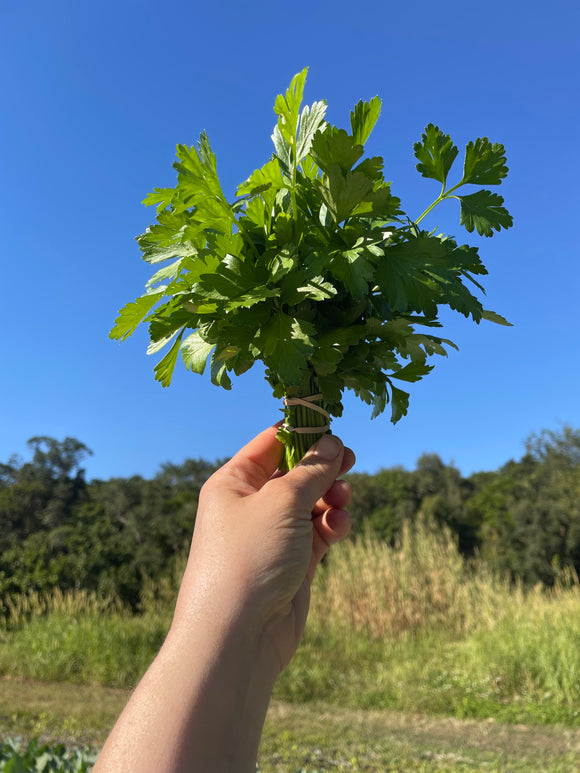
58 529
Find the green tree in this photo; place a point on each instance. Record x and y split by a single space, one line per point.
547 526
382 502
529 511
442 493
41 493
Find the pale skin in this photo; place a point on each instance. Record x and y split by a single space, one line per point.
240 614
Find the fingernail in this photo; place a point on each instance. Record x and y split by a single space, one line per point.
327 448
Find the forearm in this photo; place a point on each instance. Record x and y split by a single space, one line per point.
240 613
199 708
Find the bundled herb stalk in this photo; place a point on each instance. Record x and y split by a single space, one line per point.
313 268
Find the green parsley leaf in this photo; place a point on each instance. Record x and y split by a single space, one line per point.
160 196
399 403
492 316
219 373
412 372
422 271
363 119
266 177
311 122
167 272
287 106
335 147
286 344
132 314
484 212
195 351
484 163
353 270
164 369
436 154
314 269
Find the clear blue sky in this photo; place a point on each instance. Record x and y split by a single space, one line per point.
95 96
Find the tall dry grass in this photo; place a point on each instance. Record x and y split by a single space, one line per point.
76 636
421 584
416 627
33 605
158 596
410 627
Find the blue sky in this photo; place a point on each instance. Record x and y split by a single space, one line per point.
94 98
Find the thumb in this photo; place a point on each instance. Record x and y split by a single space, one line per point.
311 478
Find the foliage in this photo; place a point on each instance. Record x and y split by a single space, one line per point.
83 647
420 584
413 628
121 537
388 500
314 269
17 757
529 512
315 736
416 628
41 493
58 531
383 502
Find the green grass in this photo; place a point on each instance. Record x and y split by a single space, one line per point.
416 629
77 715
412 629
318 737
412 661
311 737
431 676
112 650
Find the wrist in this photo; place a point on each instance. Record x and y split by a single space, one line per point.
225 643
226 613
225 676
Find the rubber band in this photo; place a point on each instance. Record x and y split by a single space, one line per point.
306 430
307 402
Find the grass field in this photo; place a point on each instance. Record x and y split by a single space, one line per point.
313 737
412 661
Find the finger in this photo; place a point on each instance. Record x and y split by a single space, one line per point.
337 496
348 461
257 461
329 528
313 476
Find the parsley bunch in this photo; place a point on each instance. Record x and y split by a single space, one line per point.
313 268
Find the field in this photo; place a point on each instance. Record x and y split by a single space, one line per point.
314 736
413 660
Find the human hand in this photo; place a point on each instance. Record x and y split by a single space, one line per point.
258 539
241 611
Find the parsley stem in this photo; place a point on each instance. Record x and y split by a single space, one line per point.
293 188
246 237
443 195
296 444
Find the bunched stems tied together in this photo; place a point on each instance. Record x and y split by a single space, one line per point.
314 269
304 423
